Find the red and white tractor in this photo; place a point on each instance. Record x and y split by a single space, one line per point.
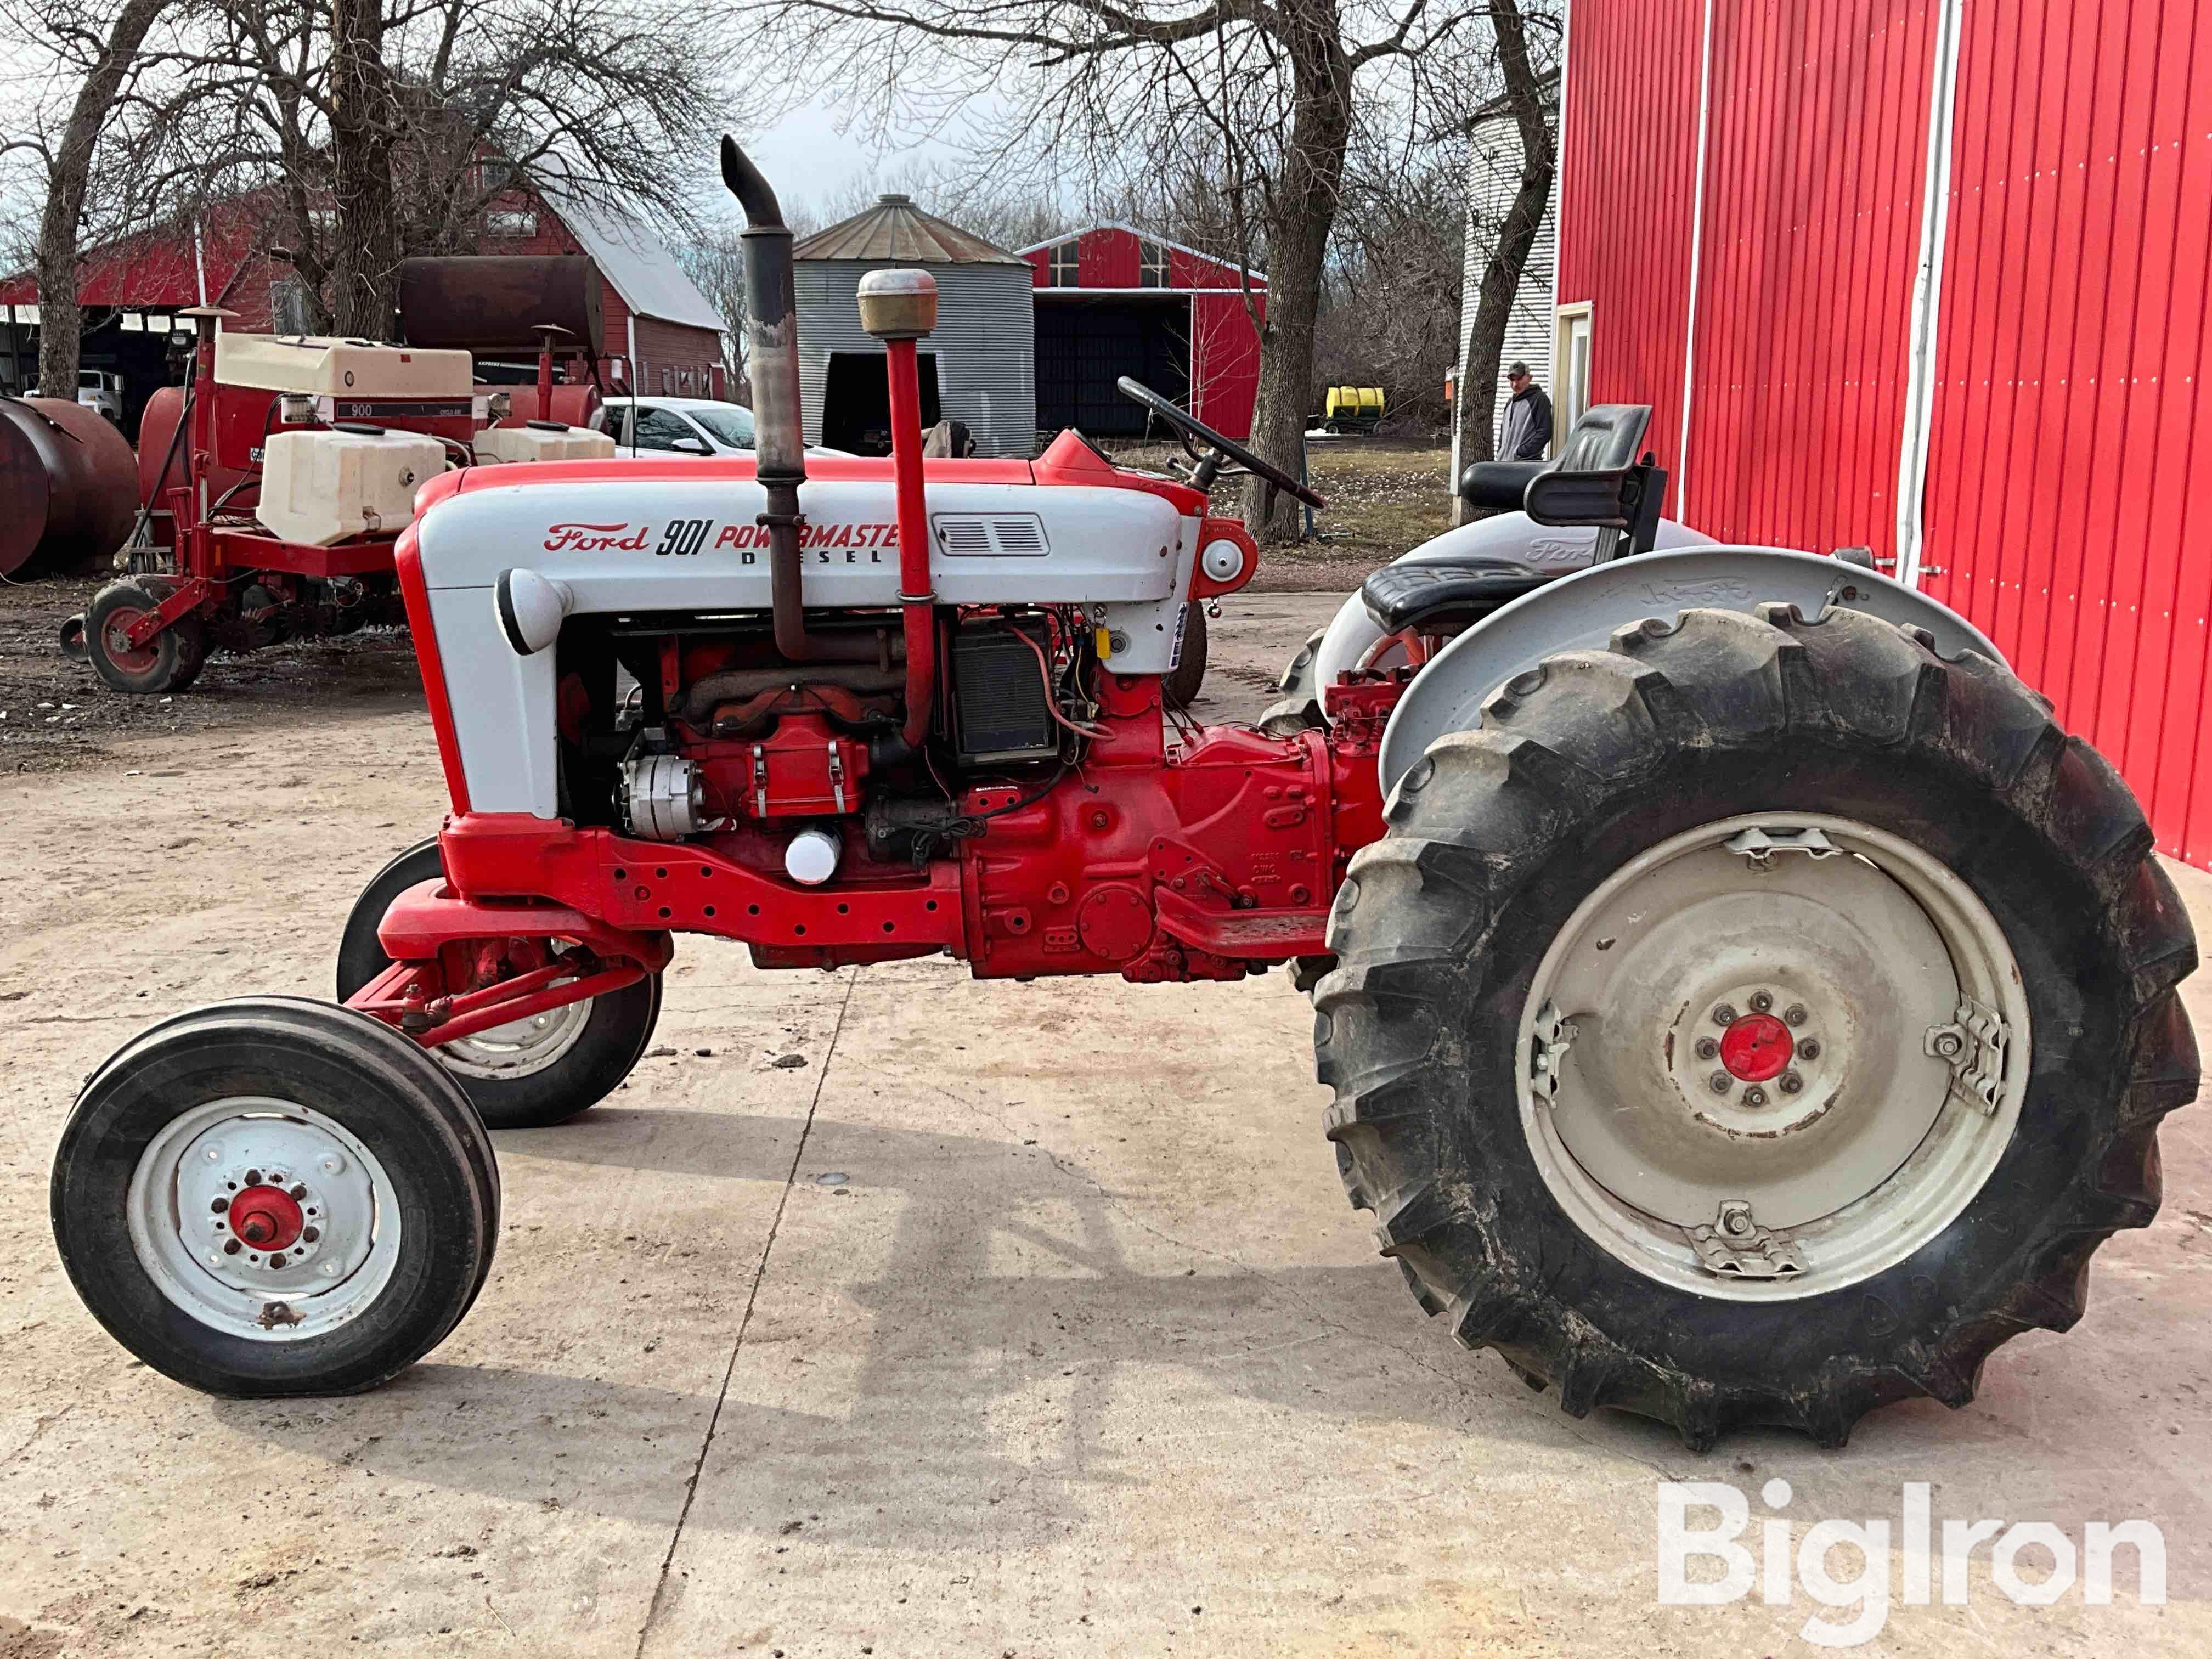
1742 1002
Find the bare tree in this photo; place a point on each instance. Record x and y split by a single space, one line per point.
108 60
715 259
1390 313
1266 94
1526 98
369 130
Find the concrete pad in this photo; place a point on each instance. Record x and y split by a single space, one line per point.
1092 1339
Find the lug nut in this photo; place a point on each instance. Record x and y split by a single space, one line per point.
1792 1083
1722 1082
1725 1014
1707 1048
1794 1014
1755 1096
1809 1048
1760 1002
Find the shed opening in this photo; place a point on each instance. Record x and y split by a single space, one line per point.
1083 346
856 401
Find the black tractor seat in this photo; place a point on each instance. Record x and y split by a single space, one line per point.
1434 596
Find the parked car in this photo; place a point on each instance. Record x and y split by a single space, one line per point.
684 426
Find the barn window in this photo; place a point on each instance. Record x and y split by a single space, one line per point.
1067 263
505 222
1152 270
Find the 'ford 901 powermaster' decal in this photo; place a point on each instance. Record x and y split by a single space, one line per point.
831 543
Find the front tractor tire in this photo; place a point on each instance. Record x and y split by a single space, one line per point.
534 1072
272 1197
1756 1021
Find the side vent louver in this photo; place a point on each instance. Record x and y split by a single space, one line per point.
990 535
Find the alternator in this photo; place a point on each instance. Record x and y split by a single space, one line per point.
662 798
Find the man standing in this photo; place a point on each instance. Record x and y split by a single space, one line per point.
1527 432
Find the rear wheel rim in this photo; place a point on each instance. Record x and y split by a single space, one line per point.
301 1180
1765 1074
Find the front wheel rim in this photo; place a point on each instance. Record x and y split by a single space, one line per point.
521 1047
1772 1056
318 1233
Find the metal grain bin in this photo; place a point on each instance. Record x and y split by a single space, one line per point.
979 367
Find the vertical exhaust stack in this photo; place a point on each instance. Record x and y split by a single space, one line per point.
779 430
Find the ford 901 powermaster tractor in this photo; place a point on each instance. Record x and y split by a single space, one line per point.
1742 1003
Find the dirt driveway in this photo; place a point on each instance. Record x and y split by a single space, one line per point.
1018 1321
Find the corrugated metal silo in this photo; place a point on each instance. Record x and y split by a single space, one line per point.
983 354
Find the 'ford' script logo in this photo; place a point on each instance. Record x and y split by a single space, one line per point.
594 537
1707 593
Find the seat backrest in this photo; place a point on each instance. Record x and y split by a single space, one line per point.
1604 436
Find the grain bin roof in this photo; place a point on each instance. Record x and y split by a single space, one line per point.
895 228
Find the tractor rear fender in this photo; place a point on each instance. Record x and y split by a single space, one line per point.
1582 611
1546 549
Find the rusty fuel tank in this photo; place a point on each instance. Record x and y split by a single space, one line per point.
69 482
497 303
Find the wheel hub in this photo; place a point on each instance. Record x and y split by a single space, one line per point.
267 1218
1757 1047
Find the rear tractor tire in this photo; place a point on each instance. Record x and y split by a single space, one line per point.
170 662
1756 1021
272 1197
534 1072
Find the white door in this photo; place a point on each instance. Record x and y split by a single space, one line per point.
1573 394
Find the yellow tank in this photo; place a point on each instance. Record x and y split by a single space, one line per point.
1355 408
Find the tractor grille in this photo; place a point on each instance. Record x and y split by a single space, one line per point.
1000 707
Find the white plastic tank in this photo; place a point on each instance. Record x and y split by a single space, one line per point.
323 486
546 440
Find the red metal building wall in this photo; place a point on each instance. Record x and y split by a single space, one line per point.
2070 461
1628 182
1815 156
2067 462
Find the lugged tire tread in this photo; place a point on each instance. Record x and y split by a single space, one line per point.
1511 794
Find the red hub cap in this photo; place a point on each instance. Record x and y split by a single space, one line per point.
265 1218
1756 1048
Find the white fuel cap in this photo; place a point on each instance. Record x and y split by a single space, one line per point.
811 857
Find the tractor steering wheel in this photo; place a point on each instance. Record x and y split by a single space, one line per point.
1189 426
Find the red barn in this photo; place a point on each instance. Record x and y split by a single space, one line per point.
1928 276
1114 301
662 334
